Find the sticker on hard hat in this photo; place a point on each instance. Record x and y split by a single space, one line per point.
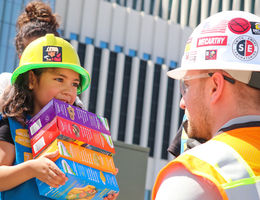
220 27
255 27
239 25
245 48
52 54
212 41
188 45
211 55
191 56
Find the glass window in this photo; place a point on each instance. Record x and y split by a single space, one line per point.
10 60
167 119
16 11
2 4
94 80
2 58
153 116
124 98
139 103
4 45
81 53
8 11
110 85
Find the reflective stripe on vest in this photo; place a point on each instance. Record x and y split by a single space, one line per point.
230 161
232 167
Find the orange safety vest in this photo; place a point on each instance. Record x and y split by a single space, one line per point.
230 160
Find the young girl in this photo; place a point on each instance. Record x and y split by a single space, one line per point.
36 21
49 68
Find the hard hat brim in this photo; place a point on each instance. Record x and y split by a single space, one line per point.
85 77
180 72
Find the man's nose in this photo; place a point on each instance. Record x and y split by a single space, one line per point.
182 104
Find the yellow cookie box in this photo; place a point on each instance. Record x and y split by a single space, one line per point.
81 155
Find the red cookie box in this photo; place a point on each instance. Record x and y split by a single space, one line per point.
71 132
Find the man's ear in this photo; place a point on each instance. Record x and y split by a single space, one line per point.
217 86
32 80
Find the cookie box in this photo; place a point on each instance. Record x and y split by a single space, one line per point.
75 114
83 183
82 155
70 131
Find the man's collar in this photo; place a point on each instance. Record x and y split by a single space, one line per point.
239 120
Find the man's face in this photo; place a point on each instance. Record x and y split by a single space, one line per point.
194 102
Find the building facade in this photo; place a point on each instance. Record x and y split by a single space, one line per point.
127 46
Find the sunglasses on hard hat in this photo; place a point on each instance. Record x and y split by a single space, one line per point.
184 87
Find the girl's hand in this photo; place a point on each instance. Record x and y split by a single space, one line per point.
47 171
112 196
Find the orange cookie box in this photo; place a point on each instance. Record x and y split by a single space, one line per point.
82 155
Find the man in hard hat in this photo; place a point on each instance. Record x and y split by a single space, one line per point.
220 86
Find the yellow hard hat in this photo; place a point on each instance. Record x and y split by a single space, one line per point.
51 52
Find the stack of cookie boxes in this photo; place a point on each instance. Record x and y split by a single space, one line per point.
85 151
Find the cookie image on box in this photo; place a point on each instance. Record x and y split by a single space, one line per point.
71 112
96 159
102 177
85 193
67 168
108 139
76 130
103 122
63 150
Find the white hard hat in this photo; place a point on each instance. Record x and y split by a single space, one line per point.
5 80
228 40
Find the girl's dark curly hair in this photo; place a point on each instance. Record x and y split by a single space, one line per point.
17 100
36 20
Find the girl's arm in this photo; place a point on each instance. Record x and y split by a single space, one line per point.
42 168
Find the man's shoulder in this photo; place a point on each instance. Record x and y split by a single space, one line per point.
186 186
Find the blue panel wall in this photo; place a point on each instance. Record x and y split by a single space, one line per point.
9 12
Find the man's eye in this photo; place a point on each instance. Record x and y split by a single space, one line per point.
186 84
76 85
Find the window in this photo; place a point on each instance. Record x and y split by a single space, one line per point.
153 116
139 103
167 119
124 98
94 80
110 85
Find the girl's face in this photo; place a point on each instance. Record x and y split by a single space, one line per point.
58 83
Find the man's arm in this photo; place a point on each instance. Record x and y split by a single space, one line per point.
182 185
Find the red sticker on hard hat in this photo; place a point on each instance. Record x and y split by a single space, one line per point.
219 27
52 54
245 48
211 55
212 41
239 25
255 27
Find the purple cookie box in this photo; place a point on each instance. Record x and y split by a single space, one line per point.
59 108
